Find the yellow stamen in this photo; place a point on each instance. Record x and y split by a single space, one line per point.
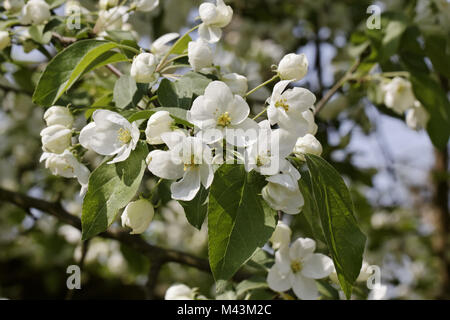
124 135
282 103
190 164
224 120
296 266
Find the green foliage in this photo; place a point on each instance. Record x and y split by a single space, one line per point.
239 221
181 93
179 115
69 65
127 92
197 208
111 187
344 238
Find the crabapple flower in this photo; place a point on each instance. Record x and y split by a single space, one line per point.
280 197
199 54
110 134
417 117
111 19
293 67
143 68
297 267
188 158
138 215
146 5
364 274
5 41
267 155
237 83
35 12
161 45
281 237
67 166
226 114
307 144
398 95
179 292
58 115
107 4
160 122
13 5
56 138
287 108
214 17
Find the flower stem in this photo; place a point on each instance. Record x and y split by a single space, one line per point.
261 85
260 114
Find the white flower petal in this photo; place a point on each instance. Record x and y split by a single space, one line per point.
186 188
301 248
211 34
304 288
165 164
317 266
277 281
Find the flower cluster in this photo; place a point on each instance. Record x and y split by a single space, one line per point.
398 96
56 143
296 265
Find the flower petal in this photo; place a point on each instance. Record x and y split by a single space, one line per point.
210 34
304 288
277 281
317 266
238 110
186 188
165 165
301 248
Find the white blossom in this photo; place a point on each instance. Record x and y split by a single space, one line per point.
188 158
160 122
146 5
290 108
161 45
13 5
110 134
143 68
179 292
67 166
35 12
58 115
293 67
280 197
297 267
5 41
138 215
417 117
214 17
281 237
56 138
307 144
398 95
199 54
111 19
237 83
220 111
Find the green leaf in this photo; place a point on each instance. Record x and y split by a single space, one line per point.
69 65
435 101
392 37
239 221
111 187
181 45
126 92
37 34
181 93
197 208
256 282
344 238
179 115
437 48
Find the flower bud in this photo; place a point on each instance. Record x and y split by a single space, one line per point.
293 67
58 115
307 144
106 4
179 292
35 12
143 68
218 15
281 237
279 197
138 215
237 83
200 55
398 95
146 5
13 5
159 123
56 138
417 117
5 41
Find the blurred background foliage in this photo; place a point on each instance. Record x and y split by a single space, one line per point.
399 182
